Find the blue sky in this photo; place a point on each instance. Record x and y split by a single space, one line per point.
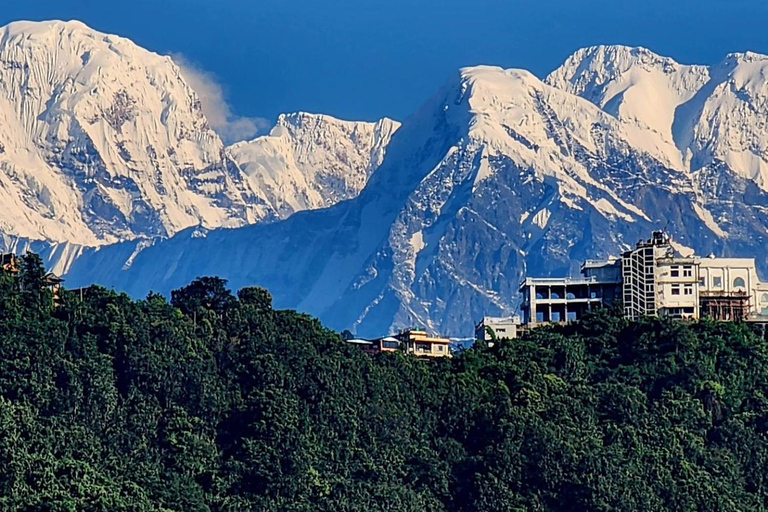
359 59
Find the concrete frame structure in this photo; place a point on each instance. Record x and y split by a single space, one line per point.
557 300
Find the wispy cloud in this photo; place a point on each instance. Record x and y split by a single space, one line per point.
230 127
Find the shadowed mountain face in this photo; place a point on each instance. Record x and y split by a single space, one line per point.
500 175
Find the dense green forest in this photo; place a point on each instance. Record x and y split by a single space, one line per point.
217 402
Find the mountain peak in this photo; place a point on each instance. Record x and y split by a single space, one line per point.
487 88
589 70
617 57
103 141
33 27
745 57
65 35
312 161
308 120
499 78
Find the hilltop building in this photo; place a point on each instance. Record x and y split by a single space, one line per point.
651 280
656 282
372 347
411 341
10 264
555 300
419 343
502 327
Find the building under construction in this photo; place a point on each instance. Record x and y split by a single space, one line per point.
653 279
725 306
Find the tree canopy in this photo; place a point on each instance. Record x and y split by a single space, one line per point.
217 402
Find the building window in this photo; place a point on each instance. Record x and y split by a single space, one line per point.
717 282
703 281
554 295
687 272
764 297
570 296
439 348
571 316
739 283
675 272
688 290
676 290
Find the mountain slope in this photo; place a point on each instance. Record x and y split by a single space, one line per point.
695 115
498 175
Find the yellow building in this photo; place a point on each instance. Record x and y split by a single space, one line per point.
420 344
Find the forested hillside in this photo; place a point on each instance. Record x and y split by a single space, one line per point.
218 402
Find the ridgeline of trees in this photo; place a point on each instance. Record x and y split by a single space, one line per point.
215 402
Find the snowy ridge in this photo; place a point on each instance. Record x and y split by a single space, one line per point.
312 161
692 116
637 87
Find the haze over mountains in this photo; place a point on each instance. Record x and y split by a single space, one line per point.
498 174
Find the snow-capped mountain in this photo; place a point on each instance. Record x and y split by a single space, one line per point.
498 175
691 116
102 141
312 161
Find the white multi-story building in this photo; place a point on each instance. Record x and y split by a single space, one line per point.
652 280
657 282
730 289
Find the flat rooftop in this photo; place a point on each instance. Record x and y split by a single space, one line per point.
565 281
